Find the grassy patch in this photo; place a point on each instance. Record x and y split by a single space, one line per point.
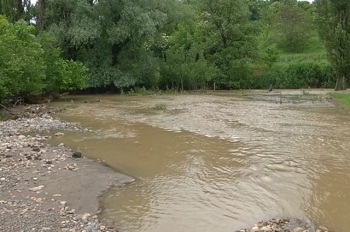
159 106
342 98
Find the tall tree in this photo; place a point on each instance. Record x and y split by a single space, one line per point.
41 15
288 24
15 10
333 20
115 39
231 39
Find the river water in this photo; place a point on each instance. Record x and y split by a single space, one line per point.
218 163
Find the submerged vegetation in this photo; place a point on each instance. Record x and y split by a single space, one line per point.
160 106
139 46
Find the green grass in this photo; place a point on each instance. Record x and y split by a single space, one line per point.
342 98
315 52
287 59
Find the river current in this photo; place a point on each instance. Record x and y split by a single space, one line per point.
217 162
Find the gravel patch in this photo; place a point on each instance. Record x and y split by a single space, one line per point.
49 188
286 225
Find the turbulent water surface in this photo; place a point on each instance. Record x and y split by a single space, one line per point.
218 162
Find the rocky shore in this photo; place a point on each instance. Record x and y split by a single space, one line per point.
49 188
286 225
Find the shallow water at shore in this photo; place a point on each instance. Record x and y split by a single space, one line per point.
218 163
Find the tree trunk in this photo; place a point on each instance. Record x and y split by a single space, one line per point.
41 15
341 83
20 9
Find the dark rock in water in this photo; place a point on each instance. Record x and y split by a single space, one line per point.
47 161
37 149
77 154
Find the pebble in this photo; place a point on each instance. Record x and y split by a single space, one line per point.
285 225
59 134
323 229
77 154
38 188
21 171
298 229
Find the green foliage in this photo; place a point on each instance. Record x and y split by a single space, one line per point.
333 20
160 106
288 24
297 75
22 68
16 10
60 75
184 65
30 66
166 44
294 27
112 38
230 38
269 55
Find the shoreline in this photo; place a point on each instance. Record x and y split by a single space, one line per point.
46 187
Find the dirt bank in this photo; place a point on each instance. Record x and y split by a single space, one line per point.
49 188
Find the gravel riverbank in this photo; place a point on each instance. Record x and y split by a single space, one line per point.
49 188
286 225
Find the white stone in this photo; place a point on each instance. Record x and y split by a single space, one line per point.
21 136
59 134
266 229
85 216
38 188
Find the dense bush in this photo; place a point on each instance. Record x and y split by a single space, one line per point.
31 66
22 67
60 75
297 75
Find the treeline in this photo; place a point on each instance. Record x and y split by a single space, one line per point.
159 44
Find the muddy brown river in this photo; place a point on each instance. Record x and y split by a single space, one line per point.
206 163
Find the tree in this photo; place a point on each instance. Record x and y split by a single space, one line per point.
15 10
184 62
333 21
290 23
112 38
21 64
230 39
30 65
40 19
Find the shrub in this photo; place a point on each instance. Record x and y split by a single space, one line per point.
297 75
60 75
31 65
22 67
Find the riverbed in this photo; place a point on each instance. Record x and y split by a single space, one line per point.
217 162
